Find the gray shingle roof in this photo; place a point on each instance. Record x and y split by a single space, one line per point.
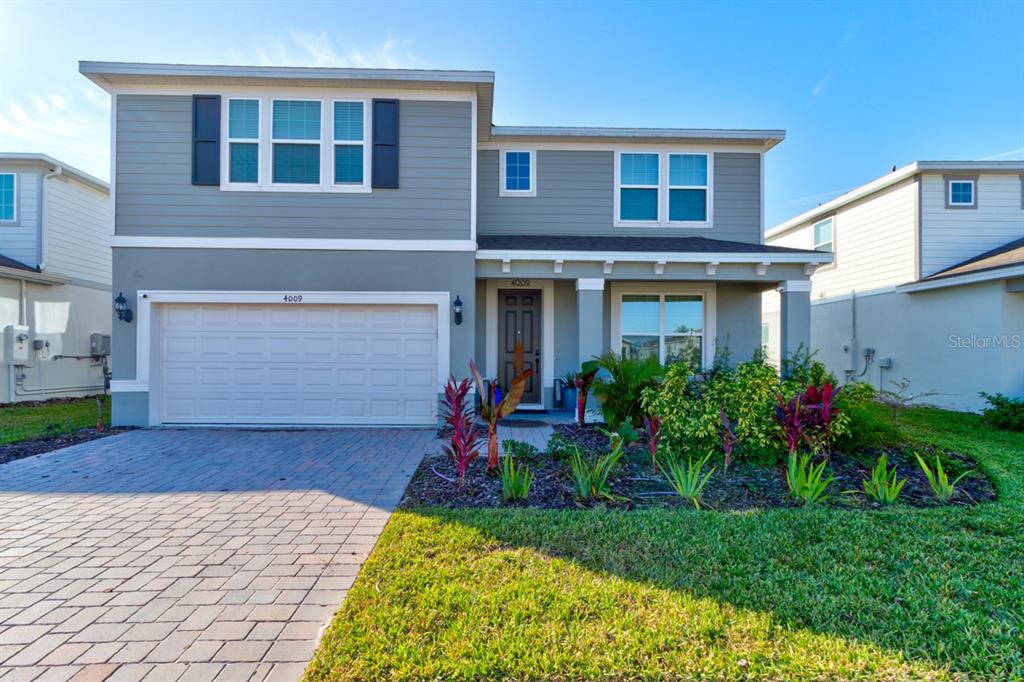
1011 253
16 264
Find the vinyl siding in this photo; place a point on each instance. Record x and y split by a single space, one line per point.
155 196
575 195
77 231
950 236
20 240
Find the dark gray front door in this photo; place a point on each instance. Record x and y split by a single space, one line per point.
519 326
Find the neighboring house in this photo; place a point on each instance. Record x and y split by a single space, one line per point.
927 283
54 279
324 246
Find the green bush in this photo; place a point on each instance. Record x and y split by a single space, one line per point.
868 426
559 446
621 392
519 448
1003 413
802 370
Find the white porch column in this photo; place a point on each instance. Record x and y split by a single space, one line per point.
794 317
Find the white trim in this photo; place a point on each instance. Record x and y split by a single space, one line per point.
147 326
949 190
473 160
832 237
647 256
14 198
285 91
707 291
112 187
1005 272
225 132
285 243
651 145
365 143
664 188
547 324
128 386
794 286
589 284
503 170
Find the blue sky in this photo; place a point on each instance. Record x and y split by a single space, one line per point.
859 87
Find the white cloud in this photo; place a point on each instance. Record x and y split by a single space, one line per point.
307 48
820 86
1005 155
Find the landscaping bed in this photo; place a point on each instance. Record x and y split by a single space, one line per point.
37 446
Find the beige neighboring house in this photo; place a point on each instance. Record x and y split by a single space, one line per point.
927 281
55 301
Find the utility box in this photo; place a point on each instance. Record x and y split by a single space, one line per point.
99 345
16 344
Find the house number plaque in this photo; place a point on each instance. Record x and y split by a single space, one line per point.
520 282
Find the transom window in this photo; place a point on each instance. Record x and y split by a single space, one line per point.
8 187
638 187
295 129
669 327
349 140
244 141
823 236
687 187
961 193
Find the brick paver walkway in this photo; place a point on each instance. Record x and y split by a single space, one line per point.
189 554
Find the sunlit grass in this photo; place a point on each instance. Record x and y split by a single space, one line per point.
24 422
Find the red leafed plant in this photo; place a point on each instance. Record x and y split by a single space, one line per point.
728 438
652 429
820 403
493 406
793 418
463 447
582 381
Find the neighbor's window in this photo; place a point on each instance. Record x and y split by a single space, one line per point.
638 187
295 131
8 184
244 140
765 335
687 187
669 327
518 173
823 240
349 140
961 192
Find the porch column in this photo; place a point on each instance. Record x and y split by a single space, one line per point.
590 317
794 317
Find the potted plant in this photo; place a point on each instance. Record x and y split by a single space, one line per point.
568 389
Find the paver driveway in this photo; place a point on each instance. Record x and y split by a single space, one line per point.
189 554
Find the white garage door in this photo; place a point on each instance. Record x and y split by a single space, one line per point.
297 364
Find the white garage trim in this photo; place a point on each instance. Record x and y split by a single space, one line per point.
146 321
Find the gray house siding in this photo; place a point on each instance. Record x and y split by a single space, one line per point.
20 239
575 195
155 196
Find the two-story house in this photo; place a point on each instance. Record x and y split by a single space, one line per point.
54 279
927 282
326 246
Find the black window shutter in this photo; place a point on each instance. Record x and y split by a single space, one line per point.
385 143
206 139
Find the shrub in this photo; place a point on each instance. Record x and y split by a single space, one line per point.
590 477
463 446
806 481
582 381
867 427
519 448
812 417
941 486
802 370
652 429
686 479
515 480
621 392
883 486
559 447
1003 413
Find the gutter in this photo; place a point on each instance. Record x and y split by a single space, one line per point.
44 214
29 276
1006 272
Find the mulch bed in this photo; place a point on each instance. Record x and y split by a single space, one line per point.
635 485
37 446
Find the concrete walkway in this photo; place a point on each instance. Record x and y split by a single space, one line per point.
189 554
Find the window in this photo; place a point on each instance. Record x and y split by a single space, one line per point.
669 327
518 174
961 193
823 238
638 187
349 143
243 140
687 187
8 187
765 335
295 129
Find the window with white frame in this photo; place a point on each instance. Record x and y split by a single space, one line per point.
961 192
518 173
244 141
349 143
687 188
669 327
295 139
8 197
638 189
824 239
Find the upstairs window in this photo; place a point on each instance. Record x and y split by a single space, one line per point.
243 141
8 185
518 173
961 192
295 131
687 188
349 144
823 236
638 187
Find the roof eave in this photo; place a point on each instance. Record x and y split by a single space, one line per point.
763 138
45 160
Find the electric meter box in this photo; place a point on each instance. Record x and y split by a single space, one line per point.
16 344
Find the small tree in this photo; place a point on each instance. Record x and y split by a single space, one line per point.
494 406
901 398
582 381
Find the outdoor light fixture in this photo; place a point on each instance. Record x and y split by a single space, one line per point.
124 313
457 309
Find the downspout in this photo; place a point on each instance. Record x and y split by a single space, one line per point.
44 214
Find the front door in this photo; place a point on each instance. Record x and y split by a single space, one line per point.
519 340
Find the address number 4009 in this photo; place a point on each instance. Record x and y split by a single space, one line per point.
293 298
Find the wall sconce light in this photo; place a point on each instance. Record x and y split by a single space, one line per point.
124 313
457 309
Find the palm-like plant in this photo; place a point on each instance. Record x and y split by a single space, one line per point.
494 406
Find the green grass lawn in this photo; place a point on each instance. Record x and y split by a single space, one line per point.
24 422
779 594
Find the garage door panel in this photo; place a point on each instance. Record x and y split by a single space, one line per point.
295 364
